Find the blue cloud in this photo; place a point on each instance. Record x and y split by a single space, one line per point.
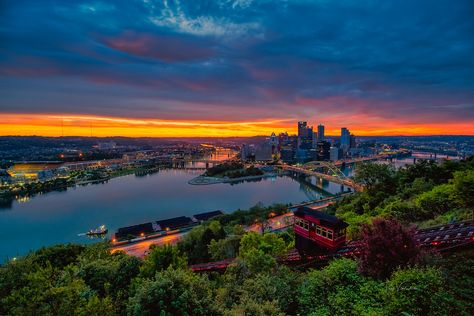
253 58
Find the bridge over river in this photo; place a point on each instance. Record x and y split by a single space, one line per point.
325 171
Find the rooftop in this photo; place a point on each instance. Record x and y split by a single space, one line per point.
207 215
324 218
174 223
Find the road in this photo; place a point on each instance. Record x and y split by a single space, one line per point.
280 221
140 249
274 223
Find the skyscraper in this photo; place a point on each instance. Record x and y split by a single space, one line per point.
320 132
273 141
305 136
315 140
334 153
345 139
352 143
302 129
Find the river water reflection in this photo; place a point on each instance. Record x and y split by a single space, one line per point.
58 217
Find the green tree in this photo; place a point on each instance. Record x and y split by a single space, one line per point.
338 289
278 287
109 275
439 200
249 307
376 177
52 292
257 252
417 291
225 248
405 211
456 268
160 258
172 292
418 186
58 256
195 244
271 244
464 187
428 170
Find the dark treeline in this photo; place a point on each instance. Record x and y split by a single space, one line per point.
232 170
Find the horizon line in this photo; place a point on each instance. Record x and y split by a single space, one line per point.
175 137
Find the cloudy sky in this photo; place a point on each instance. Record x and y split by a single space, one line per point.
236 67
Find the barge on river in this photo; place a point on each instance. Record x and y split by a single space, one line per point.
164 226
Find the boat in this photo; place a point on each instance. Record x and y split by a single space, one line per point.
102 230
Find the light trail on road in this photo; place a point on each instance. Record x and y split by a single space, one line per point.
140 249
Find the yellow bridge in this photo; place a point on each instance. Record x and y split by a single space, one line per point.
334 173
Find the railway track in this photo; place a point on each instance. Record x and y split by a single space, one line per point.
443 237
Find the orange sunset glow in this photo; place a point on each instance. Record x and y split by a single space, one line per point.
101 126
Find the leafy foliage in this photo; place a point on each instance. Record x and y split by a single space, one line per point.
172 292
225 248
338 290
196 243
421 192
376 177
161 258
223 168
464 187
417 291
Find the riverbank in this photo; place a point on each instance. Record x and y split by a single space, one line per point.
203 180
21 191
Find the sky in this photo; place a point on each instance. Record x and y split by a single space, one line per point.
235 67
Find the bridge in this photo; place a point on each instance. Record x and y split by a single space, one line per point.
356 160
210 160
319 202
181 162
324 170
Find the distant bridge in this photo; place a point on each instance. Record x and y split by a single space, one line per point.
198 160
356 160
321 202
324 170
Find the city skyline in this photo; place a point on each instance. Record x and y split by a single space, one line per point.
235 68
96 126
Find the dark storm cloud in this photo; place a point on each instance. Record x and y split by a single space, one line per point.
248 59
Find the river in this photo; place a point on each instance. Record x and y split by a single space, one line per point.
58 217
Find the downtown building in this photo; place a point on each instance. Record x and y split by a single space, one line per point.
320 135
347 143
305 136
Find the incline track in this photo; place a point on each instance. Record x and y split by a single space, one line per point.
443 237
